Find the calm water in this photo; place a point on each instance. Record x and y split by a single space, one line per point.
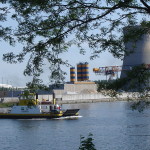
114 126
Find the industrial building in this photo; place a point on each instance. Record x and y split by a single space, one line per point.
79 82
138 53
6 86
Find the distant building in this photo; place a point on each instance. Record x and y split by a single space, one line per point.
5 86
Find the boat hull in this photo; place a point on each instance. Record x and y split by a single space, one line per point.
70 112
28 116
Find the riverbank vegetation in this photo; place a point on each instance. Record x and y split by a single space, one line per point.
136 82
8 104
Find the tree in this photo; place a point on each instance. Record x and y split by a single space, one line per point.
136 83
87 143
136 80
48 28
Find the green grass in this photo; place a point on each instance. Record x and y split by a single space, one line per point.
9 104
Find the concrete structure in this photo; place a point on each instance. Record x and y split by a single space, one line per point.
86 98
98 97
76 88
44 97
140 50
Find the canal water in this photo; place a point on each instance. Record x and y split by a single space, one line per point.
113 124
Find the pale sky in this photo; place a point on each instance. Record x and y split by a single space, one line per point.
105 59
13 73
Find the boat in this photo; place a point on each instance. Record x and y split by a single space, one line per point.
29 107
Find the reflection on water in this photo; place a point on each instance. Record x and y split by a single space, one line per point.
113 124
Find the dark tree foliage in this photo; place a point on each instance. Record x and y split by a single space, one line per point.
36 84
136 80
48 28
87 143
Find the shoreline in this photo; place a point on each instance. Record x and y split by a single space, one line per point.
80 98
6 109
93 100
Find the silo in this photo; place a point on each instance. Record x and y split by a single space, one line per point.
72 74
79 72
85 71
141 50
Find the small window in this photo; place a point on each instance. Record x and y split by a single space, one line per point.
22 108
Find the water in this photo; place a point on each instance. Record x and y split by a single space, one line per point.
113 124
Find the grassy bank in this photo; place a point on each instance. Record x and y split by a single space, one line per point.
9 104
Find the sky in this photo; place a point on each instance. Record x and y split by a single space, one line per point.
105 59
13 73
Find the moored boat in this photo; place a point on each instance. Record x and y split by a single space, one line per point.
29 107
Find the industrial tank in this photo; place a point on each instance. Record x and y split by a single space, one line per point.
72 74
140 54
85 71
79 72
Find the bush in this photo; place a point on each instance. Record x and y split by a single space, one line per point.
87 143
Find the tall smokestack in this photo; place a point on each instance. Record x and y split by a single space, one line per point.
141 51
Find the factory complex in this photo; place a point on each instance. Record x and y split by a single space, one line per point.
80 88
77 86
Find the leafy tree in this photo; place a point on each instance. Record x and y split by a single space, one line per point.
136 80
36 85
48 28
87 143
